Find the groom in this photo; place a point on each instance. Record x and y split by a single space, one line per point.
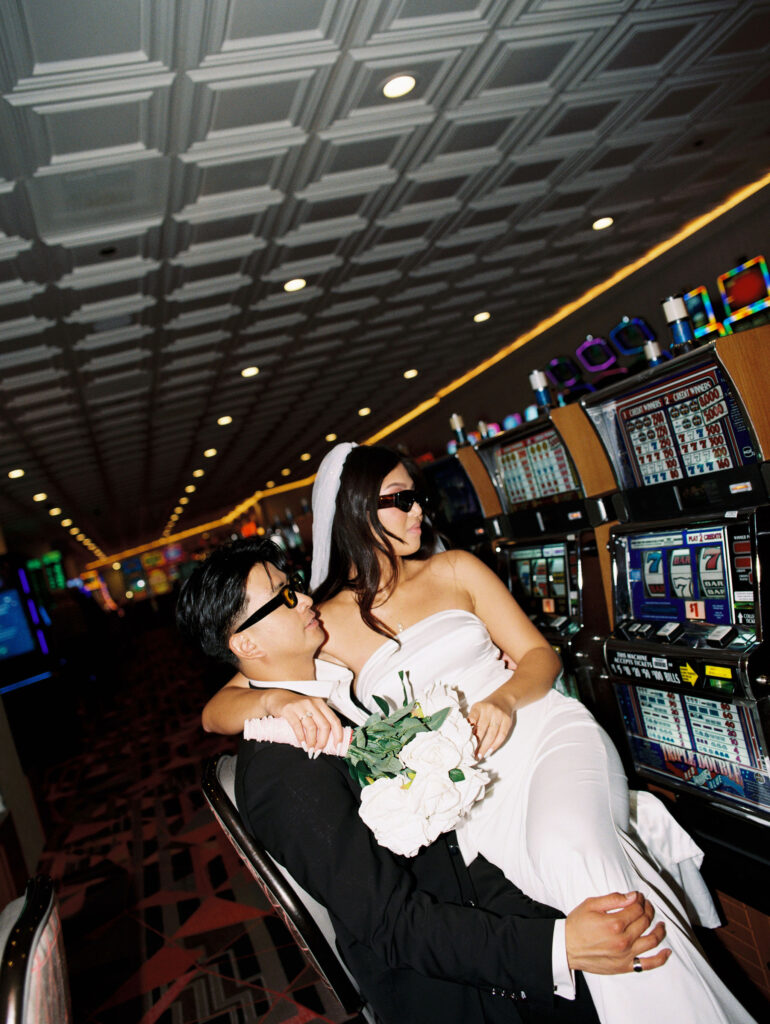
426 938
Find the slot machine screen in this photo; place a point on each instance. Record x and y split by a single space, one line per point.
681 574
706 746
534 468
542 572
15 635
683 426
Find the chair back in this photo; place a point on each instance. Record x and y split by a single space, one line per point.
307 919
34 987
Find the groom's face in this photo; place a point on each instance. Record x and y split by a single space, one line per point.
284 631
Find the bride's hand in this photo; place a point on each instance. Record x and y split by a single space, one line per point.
311 718
492 721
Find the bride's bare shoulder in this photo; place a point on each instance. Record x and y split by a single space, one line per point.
451 564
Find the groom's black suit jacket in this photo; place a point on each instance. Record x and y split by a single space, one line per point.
426 938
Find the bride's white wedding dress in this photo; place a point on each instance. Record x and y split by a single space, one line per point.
556 820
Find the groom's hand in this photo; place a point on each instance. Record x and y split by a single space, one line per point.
605 933
311 718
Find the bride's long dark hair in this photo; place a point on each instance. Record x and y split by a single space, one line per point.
358 535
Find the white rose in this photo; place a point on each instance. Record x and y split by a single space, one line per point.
438 800
387 809
430 751
459 731
472 787
437 696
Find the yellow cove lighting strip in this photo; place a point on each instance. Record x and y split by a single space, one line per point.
685 232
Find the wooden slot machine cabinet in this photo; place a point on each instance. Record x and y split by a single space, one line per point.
689 442
545 488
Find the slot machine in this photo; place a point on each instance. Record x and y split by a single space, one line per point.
552 483
688 653
453 504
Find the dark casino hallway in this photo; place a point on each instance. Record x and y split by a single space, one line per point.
162 924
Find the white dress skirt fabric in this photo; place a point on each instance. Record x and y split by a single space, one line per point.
556 820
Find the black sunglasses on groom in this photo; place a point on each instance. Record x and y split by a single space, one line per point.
287 596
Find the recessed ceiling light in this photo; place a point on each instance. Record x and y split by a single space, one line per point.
55 511
190 488
174 517
116 566
364 411
225 421
410 374
66 522
183 501
331 437
199 472
250 371
270 483
305 457
285 472
80 536
74 530
397 86
15 474
295 285
602 223
129 595
40 496
178 509
479 318
209 453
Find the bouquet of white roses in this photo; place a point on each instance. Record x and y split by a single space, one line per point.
416 767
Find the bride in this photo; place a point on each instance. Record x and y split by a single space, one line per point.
556 819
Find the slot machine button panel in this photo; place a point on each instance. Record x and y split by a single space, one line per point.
721 636
669 632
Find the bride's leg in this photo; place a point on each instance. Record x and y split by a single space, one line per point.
576 803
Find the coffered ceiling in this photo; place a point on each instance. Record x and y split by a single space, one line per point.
167 165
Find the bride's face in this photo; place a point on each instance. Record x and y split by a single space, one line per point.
404 527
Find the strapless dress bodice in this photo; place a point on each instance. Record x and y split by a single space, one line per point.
452 647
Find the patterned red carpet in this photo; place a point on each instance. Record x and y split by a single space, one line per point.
162 924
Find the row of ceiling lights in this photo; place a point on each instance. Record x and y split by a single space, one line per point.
66 523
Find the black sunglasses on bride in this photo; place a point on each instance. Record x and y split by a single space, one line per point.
287 596
402 500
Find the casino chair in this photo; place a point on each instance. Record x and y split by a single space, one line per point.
307 920
34 986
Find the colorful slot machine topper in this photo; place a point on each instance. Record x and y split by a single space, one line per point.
745 292
701 312
628 337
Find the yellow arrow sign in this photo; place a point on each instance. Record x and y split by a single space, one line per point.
688 674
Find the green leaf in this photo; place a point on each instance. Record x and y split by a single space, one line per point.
437 719
382 704
403 684
456 775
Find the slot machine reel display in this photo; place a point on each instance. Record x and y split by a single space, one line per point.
688 654
551 499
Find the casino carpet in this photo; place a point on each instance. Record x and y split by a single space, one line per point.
162 923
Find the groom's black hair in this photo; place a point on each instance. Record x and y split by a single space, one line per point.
213 598
358 534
